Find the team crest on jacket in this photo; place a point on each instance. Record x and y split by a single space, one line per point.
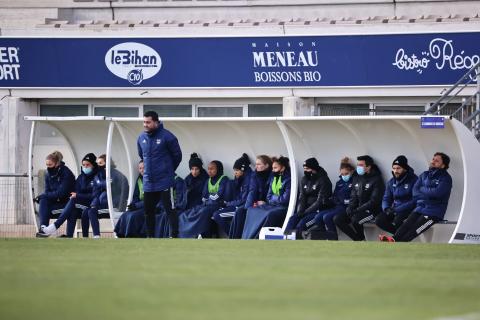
406 186
159 141
314 187
367 186
144 141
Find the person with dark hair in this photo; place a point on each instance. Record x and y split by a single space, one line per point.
195 181
256 196
365 201
315 195
161 153
398 201
99 200
432 192
273 212
322 227
79 199
198 221
239 186
59 184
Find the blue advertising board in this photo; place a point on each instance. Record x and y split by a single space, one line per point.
289 61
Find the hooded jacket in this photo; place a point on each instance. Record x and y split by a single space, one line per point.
315 193
399 193
432 191
161 155
59 183
258 188
367 192
343 192
284 197
84 187
240 189
195 187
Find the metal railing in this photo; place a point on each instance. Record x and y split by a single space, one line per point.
15 217
469 110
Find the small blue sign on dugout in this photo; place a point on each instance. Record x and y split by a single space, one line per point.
432 123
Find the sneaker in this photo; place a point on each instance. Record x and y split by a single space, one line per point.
383 237
41 234
96 237
50 230
390 239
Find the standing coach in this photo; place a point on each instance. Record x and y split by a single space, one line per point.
161 154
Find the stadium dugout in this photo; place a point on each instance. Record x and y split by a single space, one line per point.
327 138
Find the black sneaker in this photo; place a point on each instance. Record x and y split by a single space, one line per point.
41 234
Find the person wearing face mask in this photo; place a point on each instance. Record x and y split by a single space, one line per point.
315 195
79 199
198 221
257 194
273 212
432 192
59 184
239 185
322 227
365 201
99 200
398 200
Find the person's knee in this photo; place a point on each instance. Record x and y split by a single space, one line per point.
339 219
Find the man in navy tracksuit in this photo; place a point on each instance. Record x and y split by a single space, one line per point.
161 154
432 191
398 201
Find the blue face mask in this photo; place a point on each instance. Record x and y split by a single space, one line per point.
360 171
346 178
87 171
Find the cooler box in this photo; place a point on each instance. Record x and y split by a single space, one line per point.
271 233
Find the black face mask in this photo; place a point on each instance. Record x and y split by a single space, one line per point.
101 167
52 171
308 174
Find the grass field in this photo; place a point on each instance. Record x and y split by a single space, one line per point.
222 279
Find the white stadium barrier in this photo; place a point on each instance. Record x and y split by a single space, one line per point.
326 138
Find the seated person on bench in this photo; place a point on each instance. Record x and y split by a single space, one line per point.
365 201
198 220
398 199
257 194
79 200
322 227
99 200
315 195
273 212
432 192
59 184
240 184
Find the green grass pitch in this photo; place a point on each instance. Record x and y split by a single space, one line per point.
226 279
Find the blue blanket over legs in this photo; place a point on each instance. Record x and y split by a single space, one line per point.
223 219
197 221
263 216
131 224
237 224
162 226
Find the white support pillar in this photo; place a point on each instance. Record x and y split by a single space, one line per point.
298 107
15 134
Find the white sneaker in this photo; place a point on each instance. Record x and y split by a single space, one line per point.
96 237
50 230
